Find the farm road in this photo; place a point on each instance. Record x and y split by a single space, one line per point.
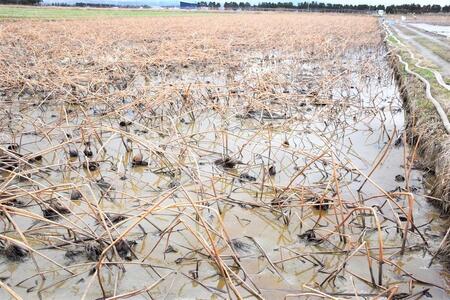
408 34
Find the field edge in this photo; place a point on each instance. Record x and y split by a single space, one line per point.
425 132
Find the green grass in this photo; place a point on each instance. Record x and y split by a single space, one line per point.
392 40
407 31
26 12
434 47
437 90
425 73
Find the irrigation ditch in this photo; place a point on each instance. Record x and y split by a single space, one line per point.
427 127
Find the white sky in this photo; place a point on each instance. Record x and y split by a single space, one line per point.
385 2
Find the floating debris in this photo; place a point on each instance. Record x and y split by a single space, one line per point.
246 177
8 163
72 254
93 250
400 296
173 184
399 141
115 218
53 209
320 203
310 236
13 147
227 162
88 152
125 123
75 195
272 170
15 252
399 178
91 165
73 153
138 160
104 185
13 202
35 159
170 249
124 248
240 246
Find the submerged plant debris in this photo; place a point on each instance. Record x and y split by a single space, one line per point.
212 156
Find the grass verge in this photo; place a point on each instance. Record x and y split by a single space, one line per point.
424 128
435 47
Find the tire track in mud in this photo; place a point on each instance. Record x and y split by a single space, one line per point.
437 75
426 53
441 112
426 34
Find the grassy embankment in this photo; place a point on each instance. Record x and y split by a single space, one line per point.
424 128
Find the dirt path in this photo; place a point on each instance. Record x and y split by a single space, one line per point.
428 35
426 53
441 30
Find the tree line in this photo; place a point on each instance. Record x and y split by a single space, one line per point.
209 4
312 6
22 2
320 6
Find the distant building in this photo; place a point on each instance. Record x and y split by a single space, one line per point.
187 5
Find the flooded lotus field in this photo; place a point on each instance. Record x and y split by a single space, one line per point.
251 158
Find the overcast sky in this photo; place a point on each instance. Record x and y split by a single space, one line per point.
386 2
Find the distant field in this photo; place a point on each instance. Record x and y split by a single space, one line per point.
20 12
437 19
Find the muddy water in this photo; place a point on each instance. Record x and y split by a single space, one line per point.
322 149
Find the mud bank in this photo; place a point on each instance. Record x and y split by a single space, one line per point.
426 133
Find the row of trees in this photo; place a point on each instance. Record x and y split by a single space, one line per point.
235 5
319 6
209 4
328 6
22 2
416 8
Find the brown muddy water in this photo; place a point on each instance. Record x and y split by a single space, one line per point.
259 175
